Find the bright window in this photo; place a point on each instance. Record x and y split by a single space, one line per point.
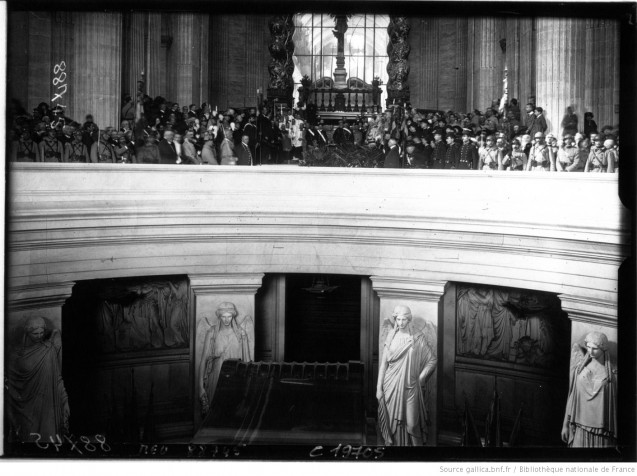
315 48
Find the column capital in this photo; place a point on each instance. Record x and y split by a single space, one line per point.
419 289
232 283
21 298
592 311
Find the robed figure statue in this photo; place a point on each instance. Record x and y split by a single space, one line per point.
408 359
590 419
37 400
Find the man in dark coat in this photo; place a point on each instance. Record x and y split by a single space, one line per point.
468 152
392 159
415 158
167 148
242 151
439 151
266 137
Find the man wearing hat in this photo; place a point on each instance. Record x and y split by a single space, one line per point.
102 150
539 160
490 157
452 156
51 148
76 150
25 149
415 159
439 150
568 156
597 160
149 152
611 154
468 159
321 136
551 143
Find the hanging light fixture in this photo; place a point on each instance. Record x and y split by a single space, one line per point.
320 285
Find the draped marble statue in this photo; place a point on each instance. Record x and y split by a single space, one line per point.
590 419
227 338
38 407
407 361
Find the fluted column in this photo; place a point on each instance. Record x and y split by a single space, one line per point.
62 51
133 50
560 69
40 66
602 72
153 51
424 37
210 290
185 85
98 61
451 64
487 66
424 300
527 62
520 59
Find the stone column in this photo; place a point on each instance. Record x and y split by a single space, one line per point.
62 57
133 50
520 59
96 84
488 63
153 52
560 73
185 81
601 74
40 65
424 300
210 290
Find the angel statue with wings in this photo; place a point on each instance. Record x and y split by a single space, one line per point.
229 338
408 359
590 419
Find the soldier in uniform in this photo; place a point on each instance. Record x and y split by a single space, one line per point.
516 159
25 149
102 150
611 154
568 156
415 159
76 151
597 159
468 159
123 154
551 143
452 156
439 151
490 156
51 148
539 160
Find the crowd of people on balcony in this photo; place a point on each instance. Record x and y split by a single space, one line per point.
158 131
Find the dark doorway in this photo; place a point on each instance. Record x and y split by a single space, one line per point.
322 326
